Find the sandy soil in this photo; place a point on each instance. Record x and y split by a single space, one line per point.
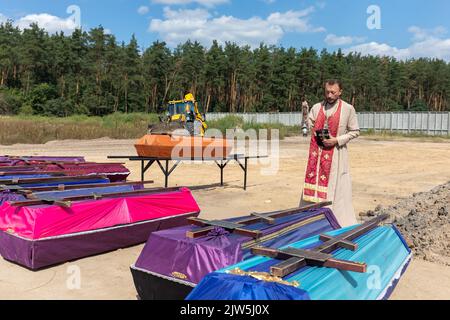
383 172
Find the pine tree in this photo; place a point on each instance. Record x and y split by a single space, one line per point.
157 75
91 73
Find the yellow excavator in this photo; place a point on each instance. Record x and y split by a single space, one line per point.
181 114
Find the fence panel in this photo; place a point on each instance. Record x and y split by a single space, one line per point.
432 123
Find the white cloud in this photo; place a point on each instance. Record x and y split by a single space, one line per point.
46 21
425 44
206 3
198 24
423 34
3 18
294 21
334 40
379 49
143 10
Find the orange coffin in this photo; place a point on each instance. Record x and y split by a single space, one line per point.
165 146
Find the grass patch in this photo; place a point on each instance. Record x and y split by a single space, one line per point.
28 129
236 122
396 136
39 130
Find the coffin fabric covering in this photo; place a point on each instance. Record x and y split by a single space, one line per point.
91 167
50 158
62 182
382 249
246 288
25 176
45 158
82 192
37 222
10 196
195 258
14 161
114 171
78 169
7 195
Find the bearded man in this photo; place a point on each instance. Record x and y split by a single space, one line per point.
334 124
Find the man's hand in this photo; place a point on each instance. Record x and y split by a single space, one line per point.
329 143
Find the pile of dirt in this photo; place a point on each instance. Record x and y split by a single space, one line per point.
424 221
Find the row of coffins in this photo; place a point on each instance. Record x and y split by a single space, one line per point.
49 217
197 252
345 264
288 255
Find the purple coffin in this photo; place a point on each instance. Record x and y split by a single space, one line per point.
159 276
16 160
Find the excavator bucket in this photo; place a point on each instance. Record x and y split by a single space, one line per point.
166 128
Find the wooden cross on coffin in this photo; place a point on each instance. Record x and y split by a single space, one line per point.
294 259
238 227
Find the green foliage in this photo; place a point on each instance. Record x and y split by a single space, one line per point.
26 110
138 119
80 109
38 129
388 135
225 123
58 107
394 106
10 101
89 72
39 97
233 122
419 105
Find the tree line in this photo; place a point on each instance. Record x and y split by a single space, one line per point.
90 72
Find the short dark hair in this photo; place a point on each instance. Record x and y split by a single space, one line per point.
332 82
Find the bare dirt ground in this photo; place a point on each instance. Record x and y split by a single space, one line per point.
383 172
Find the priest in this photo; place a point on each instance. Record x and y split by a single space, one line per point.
334 124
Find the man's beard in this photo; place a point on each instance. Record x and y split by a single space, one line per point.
332 101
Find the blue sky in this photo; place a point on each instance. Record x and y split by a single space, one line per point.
405 29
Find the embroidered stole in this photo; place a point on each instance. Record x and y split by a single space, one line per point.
320 159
